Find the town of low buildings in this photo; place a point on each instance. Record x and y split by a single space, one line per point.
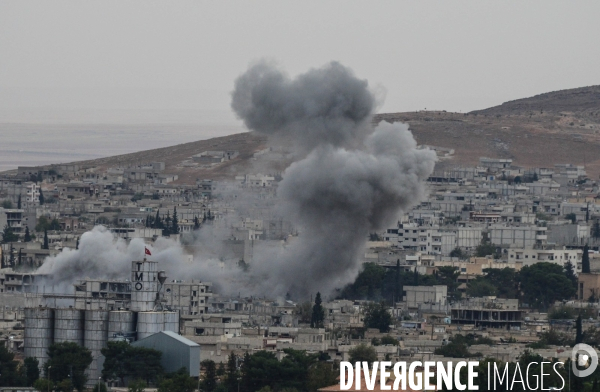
528 215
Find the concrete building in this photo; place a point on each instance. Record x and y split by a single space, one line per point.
556 256
490 312
568 233
415 295
13 218
188 297
212 157
588 286
518 235
495 163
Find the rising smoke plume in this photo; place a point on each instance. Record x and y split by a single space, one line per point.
354 180
349 179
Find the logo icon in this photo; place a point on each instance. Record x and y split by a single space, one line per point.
583 354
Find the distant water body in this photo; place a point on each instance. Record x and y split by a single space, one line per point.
24 144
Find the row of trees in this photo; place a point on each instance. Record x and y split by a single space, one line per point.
538 285
262 371
67 362
376 283
13 374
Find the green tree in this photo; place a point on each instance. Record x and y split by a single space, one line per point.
362 353
42 223
32 370
596 229
179 381
544 283
43 385
448 276
367 284
322 374
45 245
27 237
389 340
123 360
7 204
221 370
232 373
480 287
562 313
570 274
100 387
19 202
157 221
209 382
504 280
457 347
9 369
137 386
69 362
457 252
8 235
294 369
259 370
486 249
377 316
41 197
585 260
318 313
175 222
166 227
572 217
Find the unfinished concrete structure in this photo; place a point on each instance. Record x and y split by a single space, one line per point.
488 312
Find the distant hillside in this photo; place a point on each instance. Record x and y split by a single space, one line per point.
583 100
556 127
246 144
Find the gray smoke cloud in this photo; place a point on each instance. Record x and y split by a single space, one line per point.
349 179
354 179
324 105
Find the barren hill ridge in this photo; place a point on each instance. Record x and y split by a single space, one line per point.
550 128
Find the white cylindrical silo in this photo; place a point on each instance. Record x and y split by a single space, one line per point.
149 323
68 326
144 285
94 339
121 323
39 333
171 322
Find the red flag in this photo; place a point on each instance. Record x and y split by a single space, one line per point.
147 251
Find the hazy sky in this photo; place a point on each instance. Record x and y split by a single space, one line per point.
175 61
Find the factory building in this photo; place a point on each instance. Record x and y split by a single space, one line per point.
177 351
103 311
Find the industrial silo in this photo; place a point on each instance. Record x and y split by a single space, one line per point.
144 285
121 323
171 322
94 339
149 323
68 326
39 333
